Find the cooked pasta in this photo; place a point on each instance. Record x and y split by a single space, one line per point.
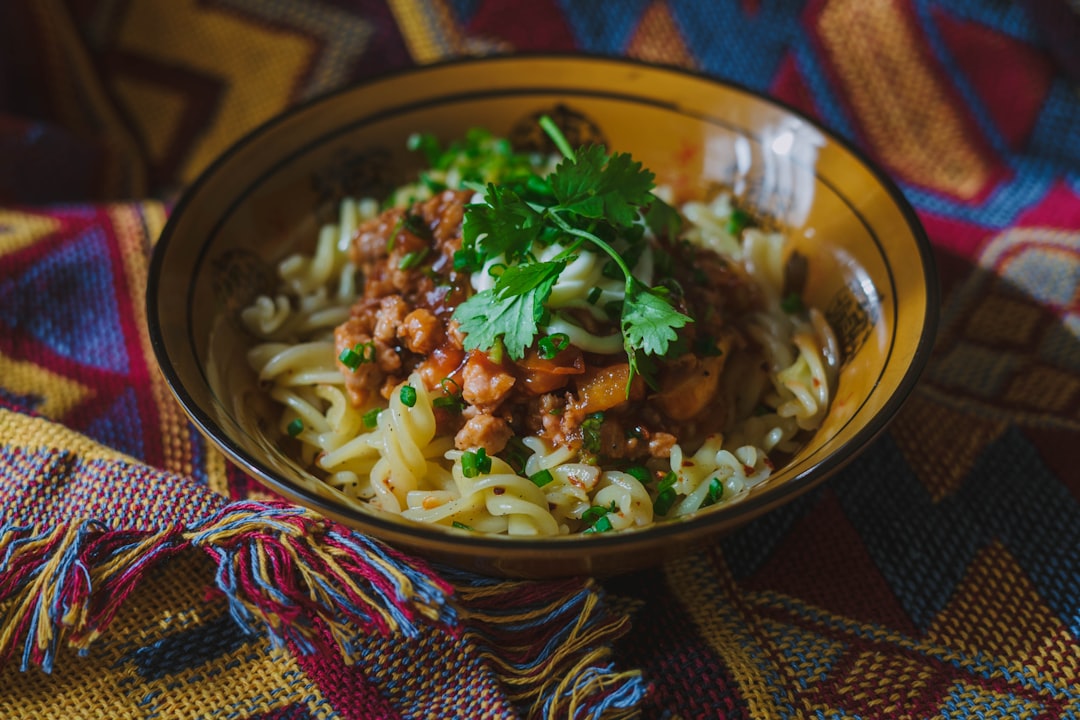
623 371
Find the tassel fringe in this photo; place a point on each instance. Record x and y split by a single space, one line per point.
554 657
281 568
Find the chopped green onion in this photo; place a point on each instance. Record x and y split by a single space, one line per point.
792 304
590 431
357 355
412 259
408 395
640 473
295 427
603 524
737 221
497 269
664 501
371 417
416 225
716 490
475 463
594 295
666 495
453 403
460 525
349 358
593 514
552 345
541 478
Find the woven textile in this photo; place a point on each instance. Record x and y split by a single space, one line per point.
142 576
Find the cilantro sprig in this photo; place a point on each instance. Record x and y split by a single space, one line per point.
591 199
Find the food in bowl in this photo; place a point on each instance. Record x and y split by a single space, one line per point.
533 345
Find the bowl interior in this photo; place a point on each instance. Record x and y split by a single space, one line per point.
868 264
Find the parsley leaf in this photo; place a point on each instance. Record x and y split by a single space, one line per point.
511 310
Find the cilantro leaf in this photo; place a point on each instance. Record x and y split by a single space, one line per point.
663 219
649 322
511 310
503 225
596 186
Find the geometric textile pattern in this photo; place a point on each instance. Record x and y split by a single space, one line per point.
937 575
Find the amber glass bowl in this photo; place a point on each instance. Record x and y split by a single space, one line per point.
869 265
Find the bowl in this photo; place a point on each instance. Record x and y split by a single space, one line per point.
868 265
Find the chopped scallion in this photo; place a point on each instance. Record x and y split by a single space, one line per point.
541 478
412 259
603 524
475 463
716 491
408 395
737 221
551 345
371 417
590 431
295 427
792 304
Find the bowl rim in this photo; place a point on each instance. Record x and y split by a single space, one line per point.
676 530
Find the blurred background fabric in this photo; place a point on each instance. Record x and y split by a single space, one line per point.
937 576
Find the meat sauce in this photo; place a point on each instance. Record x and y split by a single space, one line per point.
582 400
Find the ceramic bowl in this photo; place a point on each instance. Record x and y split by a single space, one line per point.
869 264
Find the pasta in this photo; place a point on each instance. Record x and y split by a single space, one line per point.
656 372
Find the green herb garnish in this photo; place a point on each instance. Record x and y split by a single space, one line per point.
594 513
592 196
715 492
408 395
412 259
666 495
590 432
295 427
371 417
475 463
737 222
640 473
357 355
551 345
541 478
792 304
460 525
602 524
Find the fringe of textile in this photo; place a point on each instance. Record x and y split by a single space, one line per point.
550 644
281 568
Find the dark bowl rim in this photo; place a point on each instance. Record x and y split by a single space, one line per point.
673 530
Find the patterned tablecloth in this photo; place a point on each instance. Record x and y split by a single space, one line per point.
141 576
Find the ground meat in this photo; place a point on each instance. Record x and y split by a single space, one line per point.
486 431
361 384
421 331
660 444
389 317
411 291
484 383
